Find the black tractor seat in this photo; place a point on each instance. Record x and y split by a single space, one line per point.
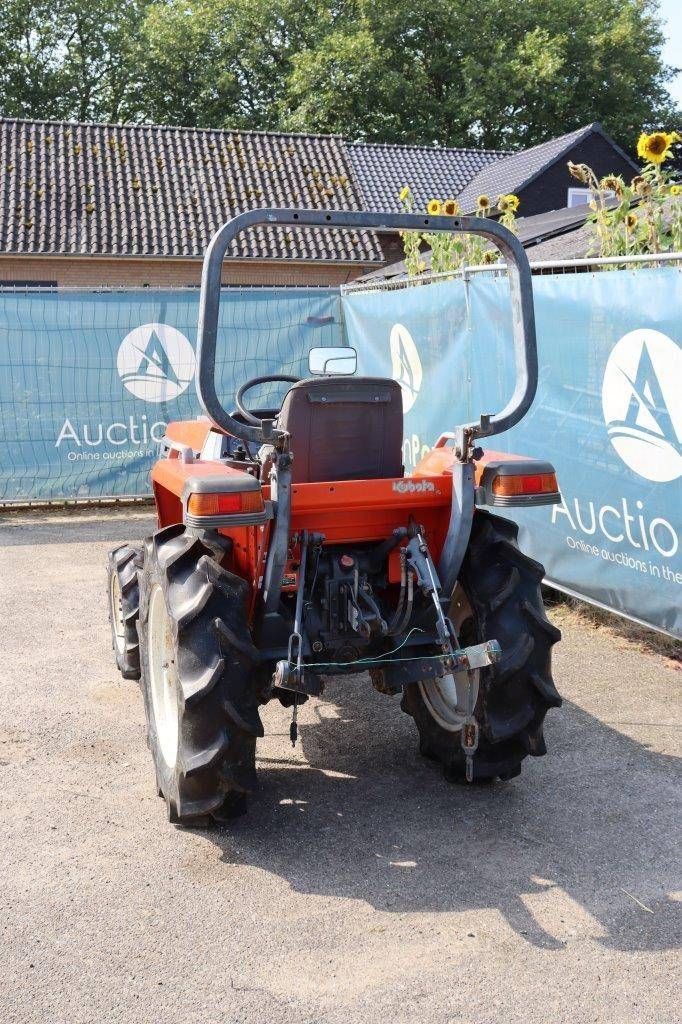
344 428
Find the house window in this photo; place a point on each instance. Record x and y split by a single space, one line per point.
582 196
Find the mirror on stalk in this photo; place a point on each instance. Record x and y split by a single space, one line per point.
339 360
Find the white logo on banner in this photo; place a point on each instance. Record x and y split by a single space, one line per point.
641 403
156 362
406 366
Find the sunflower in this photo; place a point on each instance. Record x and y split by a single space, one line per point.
676 190
655 148
451 208
433 207
641 186
631 221
579 171
483 202
404 193
613 183
508 203
490 256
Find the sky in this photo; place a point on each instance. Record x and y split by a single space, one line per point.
671 14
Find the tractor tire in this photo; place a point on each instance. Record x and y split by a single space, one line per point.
198 669
124 606
501 588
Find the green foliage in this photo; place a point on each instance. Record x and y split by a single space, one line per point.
451 252
68 60
500 73
641 217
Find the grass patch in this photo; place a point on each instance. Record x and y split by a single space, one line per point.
571 611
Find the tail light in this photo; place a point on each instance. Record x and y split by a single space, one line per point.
225 504
232 499
517 482
525 483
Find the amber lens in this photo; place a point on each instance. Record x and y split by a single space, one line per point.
225 504
528 483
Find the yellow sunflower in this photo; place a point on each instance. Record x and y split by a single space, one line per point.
451 208
404 193
483 202
508 203
676 190
433 207
655 148
631 221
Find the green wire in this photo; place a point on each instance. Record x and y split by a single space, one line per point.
382 658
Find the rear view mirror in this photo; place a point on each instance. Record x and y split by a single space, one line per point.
338 360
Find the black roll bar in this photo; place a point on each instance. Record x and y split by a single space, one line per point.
523 317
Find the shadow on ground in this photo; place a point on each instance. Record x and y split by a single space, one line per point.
369 819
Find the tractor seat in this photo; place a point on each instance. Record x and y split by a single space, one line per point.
344 428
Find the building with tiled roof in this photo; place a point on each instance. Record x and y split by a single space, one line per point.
146 200
539 176
91 205
381 170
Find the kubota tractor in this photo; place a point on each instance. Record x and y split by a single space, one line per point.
291 546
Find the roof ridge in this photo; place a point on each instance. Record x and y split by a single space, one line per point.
431 149
168 127
577 132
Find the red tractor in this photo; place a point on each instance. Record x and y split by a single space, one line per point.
291 547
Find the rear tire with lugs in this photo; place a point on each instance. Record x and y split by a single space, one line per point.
502 589
124 607
197 664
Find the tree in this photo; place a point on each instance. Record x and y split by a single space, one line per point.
67 60
498 73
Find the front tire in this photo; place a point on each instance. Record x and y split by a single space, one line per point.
503 600
197 663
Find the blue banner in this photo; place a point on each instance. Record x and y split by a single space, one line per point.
88 381
608 414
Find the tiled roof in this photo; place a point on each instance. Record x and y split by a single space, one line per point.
517 170
112 190
380 171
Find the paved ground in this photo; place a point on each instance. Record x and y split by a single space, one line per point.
362 888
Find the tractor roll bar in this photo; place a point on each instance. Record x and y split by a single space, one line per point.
525 350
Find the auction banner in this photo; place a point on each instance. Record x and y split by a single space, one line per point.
608 414
88 380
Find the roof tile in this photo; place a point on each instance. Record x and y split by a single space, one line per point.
137 190
381 170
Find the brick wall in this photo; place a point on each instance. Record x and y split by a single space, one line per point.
122 273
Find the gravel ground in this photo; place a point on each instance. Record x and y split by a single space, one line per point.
361 887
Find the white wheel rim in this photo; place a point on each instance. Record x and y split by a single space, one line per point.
445 699
162 677
117 620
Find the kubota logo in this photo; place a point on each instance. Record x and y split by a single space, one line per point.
156 362
406 366
640 399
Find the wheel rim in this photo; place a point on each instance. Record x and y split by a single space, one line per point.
445 698
162 677
117 621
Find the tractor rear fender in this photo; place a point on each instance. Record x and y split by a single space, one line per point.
500 478
492 479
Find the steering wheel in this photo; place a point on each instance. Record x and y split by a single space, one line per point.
267 379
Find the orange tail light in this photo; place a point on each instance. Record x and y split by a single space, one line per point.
225 504
509 486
